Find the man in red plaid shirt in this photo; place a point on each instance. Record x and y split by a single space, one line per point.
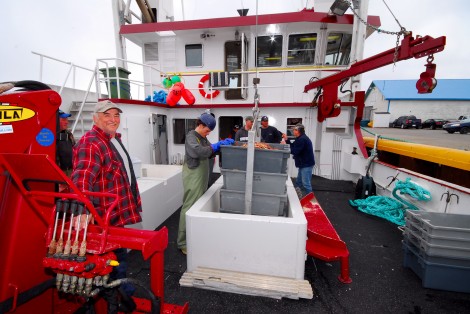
102 164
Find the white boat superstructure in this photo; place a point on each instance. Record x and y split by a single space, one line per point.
287 52
298 67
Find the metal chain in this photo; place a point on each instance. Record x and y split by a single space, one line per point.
395 54
402 31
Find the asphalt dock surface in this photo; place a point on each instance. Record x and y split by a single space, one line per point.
380 283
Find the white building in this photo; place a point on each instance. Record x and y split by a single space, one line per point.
394 98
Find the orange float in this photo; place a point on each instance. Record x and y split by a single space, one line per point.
212 95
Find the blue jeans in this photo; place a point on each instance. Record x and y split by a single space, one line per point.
304 179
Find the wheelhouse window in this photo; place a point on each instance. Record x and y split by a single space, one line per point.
181 127
269 51
193 55
291 123
151 52
301 49
339 49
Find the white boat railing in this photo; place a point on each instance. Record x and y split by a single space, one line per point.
147 78
106 64
71 69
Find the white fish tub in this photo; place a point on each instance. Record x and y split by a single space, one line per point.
161 191
265 245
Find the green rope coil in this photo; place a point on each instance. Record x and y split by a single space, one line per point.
389 208
412 189
383 207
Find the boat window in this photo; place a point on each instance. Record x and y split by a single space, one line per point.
193 55
180 128
269 51
233 56
339 49
151 52
291 123
301 49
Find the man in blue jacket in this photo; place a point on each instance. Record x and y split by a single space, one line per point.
302 150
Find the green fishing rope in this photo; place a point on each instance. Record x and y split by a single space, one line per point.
389 208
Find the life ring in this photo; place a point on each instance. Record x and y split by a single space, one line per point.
212 95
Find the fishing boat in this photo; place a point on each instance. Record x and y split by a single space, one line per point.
297 67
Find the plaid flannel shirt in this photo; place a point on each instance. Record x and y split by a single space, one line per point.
97 167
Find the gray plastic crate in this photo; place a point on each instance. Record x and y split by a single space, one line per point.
261 203
461 262
266 160
437 276
441 224
443 241
263 182
436 250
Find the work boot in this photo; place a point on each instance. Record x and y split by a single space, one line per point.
126 304
111 296
299 192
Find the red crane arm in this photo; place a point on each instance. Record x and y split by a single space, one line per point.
409 48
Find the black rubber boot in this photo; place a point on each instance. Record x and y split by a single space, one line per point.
127 304
111 296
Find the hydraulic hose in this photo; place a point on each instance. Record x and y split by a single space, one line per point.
153 299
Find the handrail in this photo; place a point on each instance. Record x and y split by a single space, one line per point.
147 80
80 110
139 83
72 67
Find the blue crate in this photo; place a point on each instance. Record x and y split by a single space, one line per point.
436 276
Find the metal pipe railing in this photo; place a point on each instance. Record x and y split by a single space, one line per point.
71 67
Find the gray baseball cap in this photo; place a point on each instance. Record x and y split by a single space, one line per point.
105 105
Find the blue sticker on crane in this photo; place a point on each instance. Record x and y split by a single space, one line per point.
45 137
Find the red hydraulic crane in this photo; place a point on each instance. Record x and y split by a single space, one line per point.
328 102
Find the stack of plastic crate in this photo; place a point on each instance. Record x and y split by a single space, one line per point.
437 248
269 197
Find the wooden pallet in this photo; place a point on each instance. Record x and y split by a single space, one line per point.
246 283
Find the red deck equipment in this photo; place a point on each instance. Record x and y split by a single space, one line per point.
322 240
33 214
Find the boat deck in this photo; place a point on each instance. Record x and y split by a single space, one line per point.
380 283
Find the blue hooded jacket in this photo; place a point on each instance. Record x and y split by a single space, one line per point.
302 150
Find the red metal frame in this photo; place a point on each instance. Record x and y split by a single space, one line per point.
322 240
102 237
328 103
27 207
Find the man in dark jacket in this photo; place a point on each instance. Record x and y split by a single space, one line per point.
242 134
269 134
302 150
65 143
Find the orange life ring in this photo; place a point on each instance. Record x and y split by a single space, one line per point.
214 94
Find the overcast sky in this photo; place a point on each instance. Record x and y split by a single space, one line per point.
82 31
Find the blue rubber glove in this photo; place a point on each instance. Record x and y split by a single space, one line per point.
228 141
216 146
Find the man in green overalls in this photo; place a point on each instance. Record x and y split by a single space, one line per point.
198 150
